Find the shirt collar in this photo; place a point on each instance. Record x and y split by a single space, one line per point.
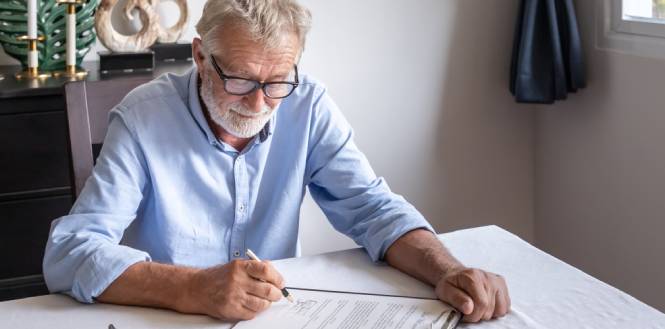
197 112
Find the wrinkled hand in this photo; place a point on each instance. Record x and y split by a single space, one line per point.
238 290
478 294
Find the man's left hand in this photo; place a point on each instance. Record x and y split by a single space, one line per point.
478 294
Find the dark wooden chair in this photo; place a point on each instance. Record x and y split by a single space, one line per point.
88 105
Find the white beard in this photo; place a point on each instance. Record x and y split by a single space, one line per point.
237 119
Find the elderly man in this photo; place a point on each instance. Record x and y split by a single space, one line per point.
197 168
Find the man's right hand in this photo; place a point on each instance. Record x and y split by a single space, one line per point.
238 290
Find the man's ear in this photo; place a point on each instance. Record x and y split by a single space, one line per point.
198 54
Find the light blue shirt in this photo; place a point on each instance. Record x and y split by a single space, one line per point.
165 189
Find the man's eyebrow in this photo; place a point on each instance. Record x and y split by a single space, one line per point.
242 73
231 69
236 70
282 75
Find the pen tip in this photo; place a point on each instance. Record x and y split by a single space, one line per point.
290 299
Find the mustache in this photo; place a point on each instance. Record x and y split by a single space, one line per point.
243 110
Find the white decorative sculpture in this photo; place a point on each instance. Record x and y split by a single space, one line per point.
150 32
173 33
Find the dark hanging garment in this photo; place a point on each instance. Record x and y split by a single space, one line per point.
547 52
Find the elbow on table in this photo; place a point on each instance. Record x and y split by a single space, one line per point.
59 265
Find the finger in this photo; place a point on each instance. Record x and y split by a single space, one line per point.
501 307
266 272
264 290
279 280
255 304
503 298
473 284
236 313
489 312
456 297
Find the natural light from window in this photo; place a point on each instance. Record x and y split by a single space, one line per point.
648 10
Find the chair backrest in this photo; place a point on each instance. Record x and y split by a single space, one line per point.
88 105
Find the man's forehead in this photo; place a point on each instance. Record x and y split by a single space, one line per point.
241 58
237 50
248 61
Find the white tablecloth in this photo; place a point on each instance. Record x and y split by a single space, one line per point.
545 292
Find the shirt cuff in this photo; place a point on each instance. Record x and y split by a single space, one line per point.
102 268
383 239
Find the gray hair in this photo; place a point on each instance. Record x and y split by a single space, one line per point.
266 21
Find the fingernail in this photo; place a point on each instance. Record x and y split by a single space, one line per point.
467 308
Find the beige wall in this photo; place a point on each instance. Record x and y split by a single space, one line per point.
600 171
424 83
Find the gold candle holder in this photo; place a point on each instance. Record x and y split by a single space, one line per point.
71 71
33 70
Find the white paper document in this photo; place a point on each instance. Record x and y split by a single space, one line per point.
335 310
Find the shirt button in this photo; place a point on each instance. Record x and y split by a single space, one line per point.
236 253
241 207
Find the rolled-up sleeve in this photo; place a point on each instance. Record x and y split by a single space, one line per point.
357 202
83 255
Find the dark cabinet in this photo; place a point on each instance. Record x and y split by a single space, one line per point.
35 181
25 226
33 148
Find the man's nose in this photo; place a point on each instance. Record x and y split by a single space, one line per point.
256 100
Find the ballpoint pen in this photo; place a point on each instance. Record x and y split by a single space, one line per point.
285 292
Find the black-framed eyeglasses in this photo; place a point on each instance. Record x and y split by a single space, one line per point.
240 86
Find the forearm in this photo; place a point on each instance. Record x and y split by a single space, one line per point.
155 285
420 254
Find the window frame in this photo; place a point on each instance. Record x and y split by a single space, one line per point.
637 36
636 25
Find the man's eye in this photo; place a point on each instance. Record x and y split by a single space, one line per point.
239 82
